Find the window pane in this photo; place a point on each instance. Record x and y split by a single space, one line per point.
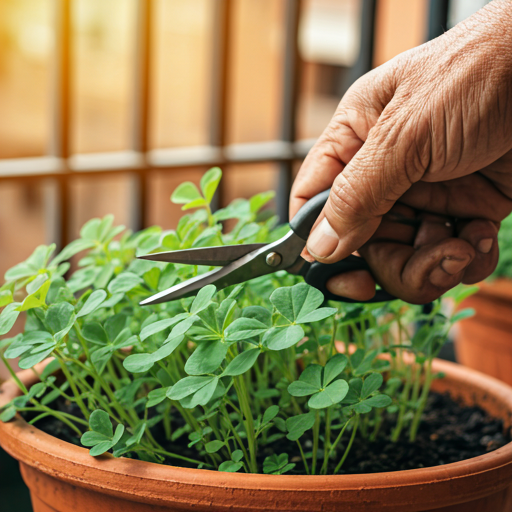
102 66
23 224
181 67
26 43
255 70
97 196
161 185
329 35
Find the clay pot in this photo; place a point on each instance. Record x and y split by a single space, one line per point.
64 478
484 341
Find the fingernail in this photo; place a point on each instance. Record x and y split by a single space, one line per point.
323 241
454 265
485 245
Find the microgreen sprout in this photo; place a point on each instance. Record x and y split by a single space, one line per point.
260 377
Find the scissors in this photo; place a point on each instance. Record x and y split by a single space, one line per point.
240 263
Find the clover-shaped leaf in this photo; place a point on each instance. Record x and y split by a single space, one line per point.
233 465
277 464
359 397
300 303
317 381
200 389
101 437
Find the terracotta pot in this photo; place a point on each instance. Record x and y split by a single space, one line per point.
64 478
484 341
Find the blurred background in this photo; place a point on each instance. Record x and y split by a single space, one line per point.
107 105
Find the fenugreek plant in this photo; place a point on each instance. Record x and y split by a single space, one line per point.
238 379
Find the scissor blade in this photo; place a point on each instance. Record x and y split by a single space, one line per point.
247 267
219 256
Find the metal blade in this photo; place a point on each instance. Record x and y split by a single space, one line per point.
247 267
211 256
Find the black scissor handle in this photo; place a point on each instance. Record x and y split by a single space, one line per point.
317 274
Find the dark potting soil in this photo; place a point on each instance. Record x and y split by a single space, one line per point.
450 432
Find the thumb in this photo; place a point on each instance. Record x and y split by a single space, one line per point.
385 167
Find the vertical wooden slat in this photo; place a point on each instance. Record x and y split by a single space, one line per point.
289 99
219 72
364 62
141 104
60 135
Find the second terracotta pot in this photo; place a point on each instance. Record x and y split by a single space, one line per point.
484 341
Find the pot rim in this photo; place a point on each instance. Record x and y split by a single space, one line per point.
71 463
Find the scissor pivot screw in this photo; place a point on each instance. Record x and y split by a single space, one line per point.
273 259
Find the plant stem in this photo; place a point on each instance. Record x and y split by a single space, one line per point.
403 406
327 437
333 446
347 449
73 387
316 435
303 457
423 401
248 421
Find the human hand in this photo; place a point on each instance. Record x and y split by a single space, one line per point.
428 135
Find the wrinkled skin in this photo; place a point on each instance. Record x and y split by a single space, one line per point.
428 135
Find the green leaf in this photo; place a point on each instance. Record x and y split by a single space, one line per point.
73 248
371 384
100 449
259 313
59 315
118 434
279 338
36 355
205 394
270 414
92 438
187 386
378 401
296 302
196 203
156 396
185 193
332 394
334 367
93 303
151 277
230 466
160 326
99 421
237 455
297 425
114 325
461 315
317 315
8 414
312 375
244 328
8 317
209 182
5 298
259 200
206 358
89 230
299 388
124 283
203 299
214 446
94 332
242 363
